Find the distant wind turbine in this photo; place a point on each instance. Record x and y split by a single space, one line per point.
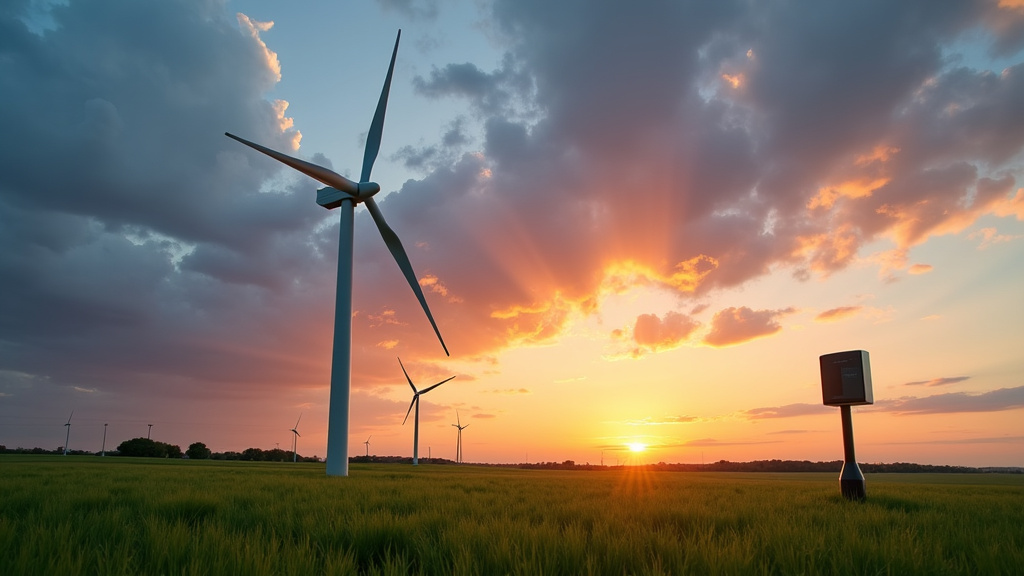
368 444
295 438
67 436
458 445
345 193
416 402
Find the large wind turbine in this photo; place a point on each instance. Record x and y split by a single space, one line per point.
344 193
458 445
68 435
368 444
416 401
295 438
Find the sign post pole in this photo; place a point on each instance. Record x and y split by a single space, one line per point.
846 382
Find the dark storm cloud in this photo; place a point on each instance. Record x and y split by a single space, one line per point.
136 242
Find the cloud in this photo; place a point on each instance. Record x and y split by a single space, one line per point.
732 326
651 421
511 391
990 237
920 269
839 313
711 442
787 411
958 441
955 402
654 334
938 381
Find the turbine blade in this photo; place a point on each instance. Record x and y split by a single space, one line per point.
409 380
425 390
398 252
414 399
318 173
69 417
377 126
457 419
297 421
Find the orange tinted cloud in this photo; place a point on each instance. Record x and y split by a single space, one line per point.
737 325
939 381
839 313
654 334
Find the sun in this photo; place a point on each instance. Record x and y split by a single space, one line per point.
636 447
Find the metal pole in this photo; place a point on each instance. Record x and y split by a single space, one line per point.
341 355
851 480
103 450
150 433
416 436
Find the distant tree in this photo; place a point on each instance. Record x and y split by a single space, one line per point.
254 454
198 451
140 447
172 450
146 448
277 455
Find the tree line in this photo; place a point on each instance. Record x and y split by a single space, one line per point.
147 448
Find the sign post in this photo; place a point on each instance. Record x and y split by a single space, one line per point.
846 382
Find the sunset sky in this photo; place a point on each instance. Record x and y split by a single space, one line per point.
634 222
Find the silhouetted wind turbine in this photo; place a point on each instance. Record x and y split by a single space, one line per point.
295 438
416 402
368 444
345 193
458 445
68 435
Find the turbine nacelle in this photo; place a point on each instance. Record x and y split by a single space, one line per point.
331 198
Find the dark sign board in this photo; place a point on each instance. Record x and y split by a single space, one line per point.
846 378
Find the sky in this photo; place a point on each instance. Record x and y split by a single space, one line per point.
635 223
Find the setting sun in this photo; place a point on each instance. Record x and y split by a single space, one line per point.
636 447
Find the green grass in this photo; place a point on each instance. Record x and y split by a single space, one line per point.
86 515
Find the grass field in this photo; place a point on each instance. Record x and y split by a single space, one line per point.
87 515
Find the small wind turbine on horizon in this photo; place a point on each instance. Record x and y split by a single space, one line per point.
416 402
295 438
344 193
67 436
458 445
368 444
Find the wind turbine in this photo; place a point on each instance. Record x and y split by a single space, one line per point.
295 438
368 444
68 435
458 445
344 193
416 401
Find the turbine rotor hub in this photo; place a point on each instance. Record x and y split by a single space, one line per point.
366 189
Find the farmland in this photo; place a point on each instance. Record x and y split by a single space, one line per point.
87 515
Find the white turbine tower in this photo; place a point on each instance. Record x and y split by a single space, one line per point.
295 438
458 445
67 436
368 444
416 402
344 193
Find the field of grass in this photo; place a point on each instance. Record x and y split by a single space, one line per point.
87 515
